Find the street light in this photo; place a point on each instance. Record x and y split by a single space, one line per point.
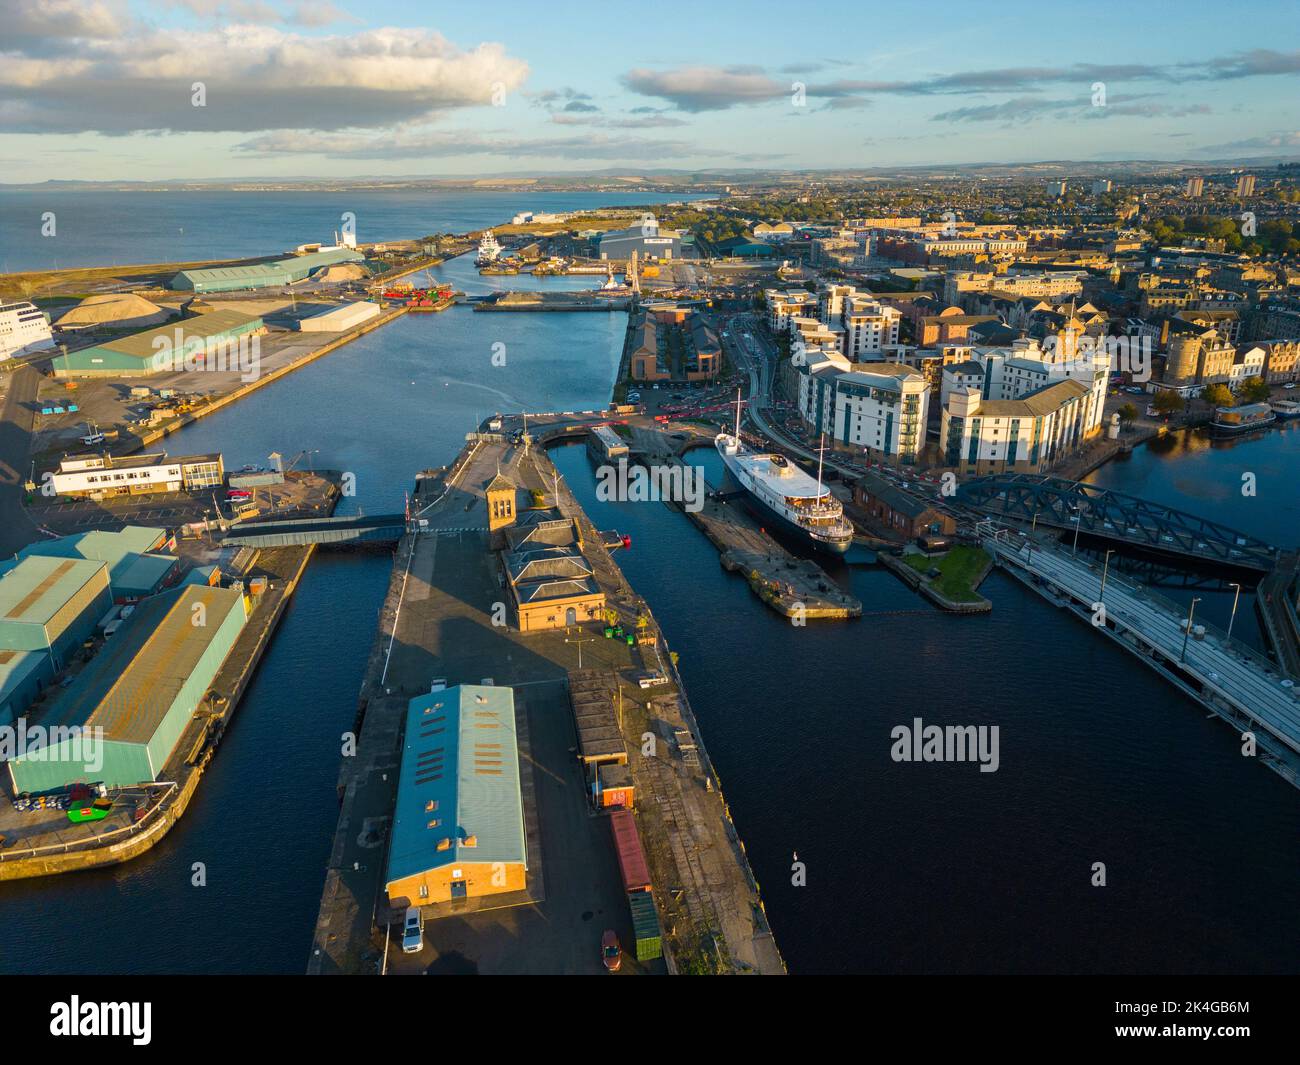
1078 521
1101 597
1235 597
1191 613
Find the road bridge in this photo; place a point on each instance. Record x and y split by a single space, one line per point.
1235 682
336 531
1114 516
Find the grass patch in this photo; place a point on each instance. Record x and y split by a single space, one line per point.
958 570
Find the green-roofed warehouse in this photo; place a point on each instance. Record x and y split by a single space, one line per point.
136 564
22 676
206 340
273 274
51 604
131 703
458 829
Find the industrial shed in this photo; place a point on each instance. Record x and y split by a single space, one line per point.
51 604
158 350
458 830
338 319
140 691
137 565
273 274
22 676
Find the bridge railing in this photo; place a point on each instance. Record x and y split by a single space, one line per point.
1011 539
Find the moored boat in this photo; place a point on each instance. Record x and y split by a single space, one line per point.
783 493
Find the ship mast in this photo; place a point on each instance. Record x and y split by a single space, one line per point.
737 416
821 454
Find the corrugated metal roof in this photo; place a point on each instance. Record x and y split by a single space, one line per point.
131 684
275 271
33 590
121 550
192 330
459 782
16 667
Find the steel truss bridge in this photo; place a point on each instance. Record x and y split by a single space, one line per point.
1106 515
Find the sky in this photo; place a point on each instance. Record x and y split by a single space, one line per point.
118 90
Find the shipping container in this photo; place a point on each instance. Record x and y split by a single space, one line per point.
631 858
645 926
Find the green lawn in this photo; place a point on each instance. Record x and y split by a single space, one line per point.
958 570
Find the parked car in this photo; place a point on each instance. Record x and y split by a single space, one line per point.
413 931
611 954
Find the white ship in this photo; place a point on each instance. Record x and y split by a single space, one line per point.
783 493
23 329
488 249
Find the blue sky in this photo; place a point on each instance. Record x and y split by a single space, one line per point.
106 89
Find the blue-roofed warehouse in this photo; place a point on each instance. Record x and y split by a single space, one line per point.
458 829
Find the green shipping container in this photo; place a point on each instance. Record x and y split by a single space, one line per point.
645 926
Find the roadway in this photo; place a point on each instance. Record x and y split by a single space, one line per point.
17 419
1251 684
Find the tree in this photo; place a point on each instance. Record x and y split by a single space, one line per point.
1218 396
1167 401
1255 390
1128 413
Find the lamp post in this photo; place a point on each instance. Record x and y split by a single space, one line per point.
1187 633
1101 597
1233 617
1077 522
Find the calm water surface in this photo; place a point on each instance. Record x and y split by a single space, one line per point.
911 868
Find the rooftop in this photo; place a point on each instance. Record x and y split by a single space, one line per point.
33 590
459 795
130 685
191 330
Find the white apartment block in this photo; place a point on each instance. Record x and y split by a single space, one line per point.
1013 435
869 326
878 407
1007 374
783 306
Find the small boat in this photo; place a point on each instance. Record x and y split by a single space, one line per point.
1286 409
1243 419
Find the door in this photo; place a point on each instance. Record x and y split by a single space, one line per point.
571 616
458 889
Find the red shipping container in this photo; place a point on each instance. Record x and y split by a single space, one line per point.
631 858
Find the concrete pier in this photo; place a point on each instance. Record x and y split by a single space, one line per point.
438 621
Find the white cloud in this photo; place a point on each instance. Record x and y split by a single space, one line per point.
256 78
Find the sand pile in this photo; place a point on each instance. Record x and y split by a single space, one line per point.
342 272
118 310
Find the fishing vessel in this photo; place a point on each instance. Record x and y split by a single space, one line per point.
1243 419
783 493
488 249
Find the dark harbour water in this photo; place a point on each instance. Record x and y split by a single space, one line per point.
113 228
911 868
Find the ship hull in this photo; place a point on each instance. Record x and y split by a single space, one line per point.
767 513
